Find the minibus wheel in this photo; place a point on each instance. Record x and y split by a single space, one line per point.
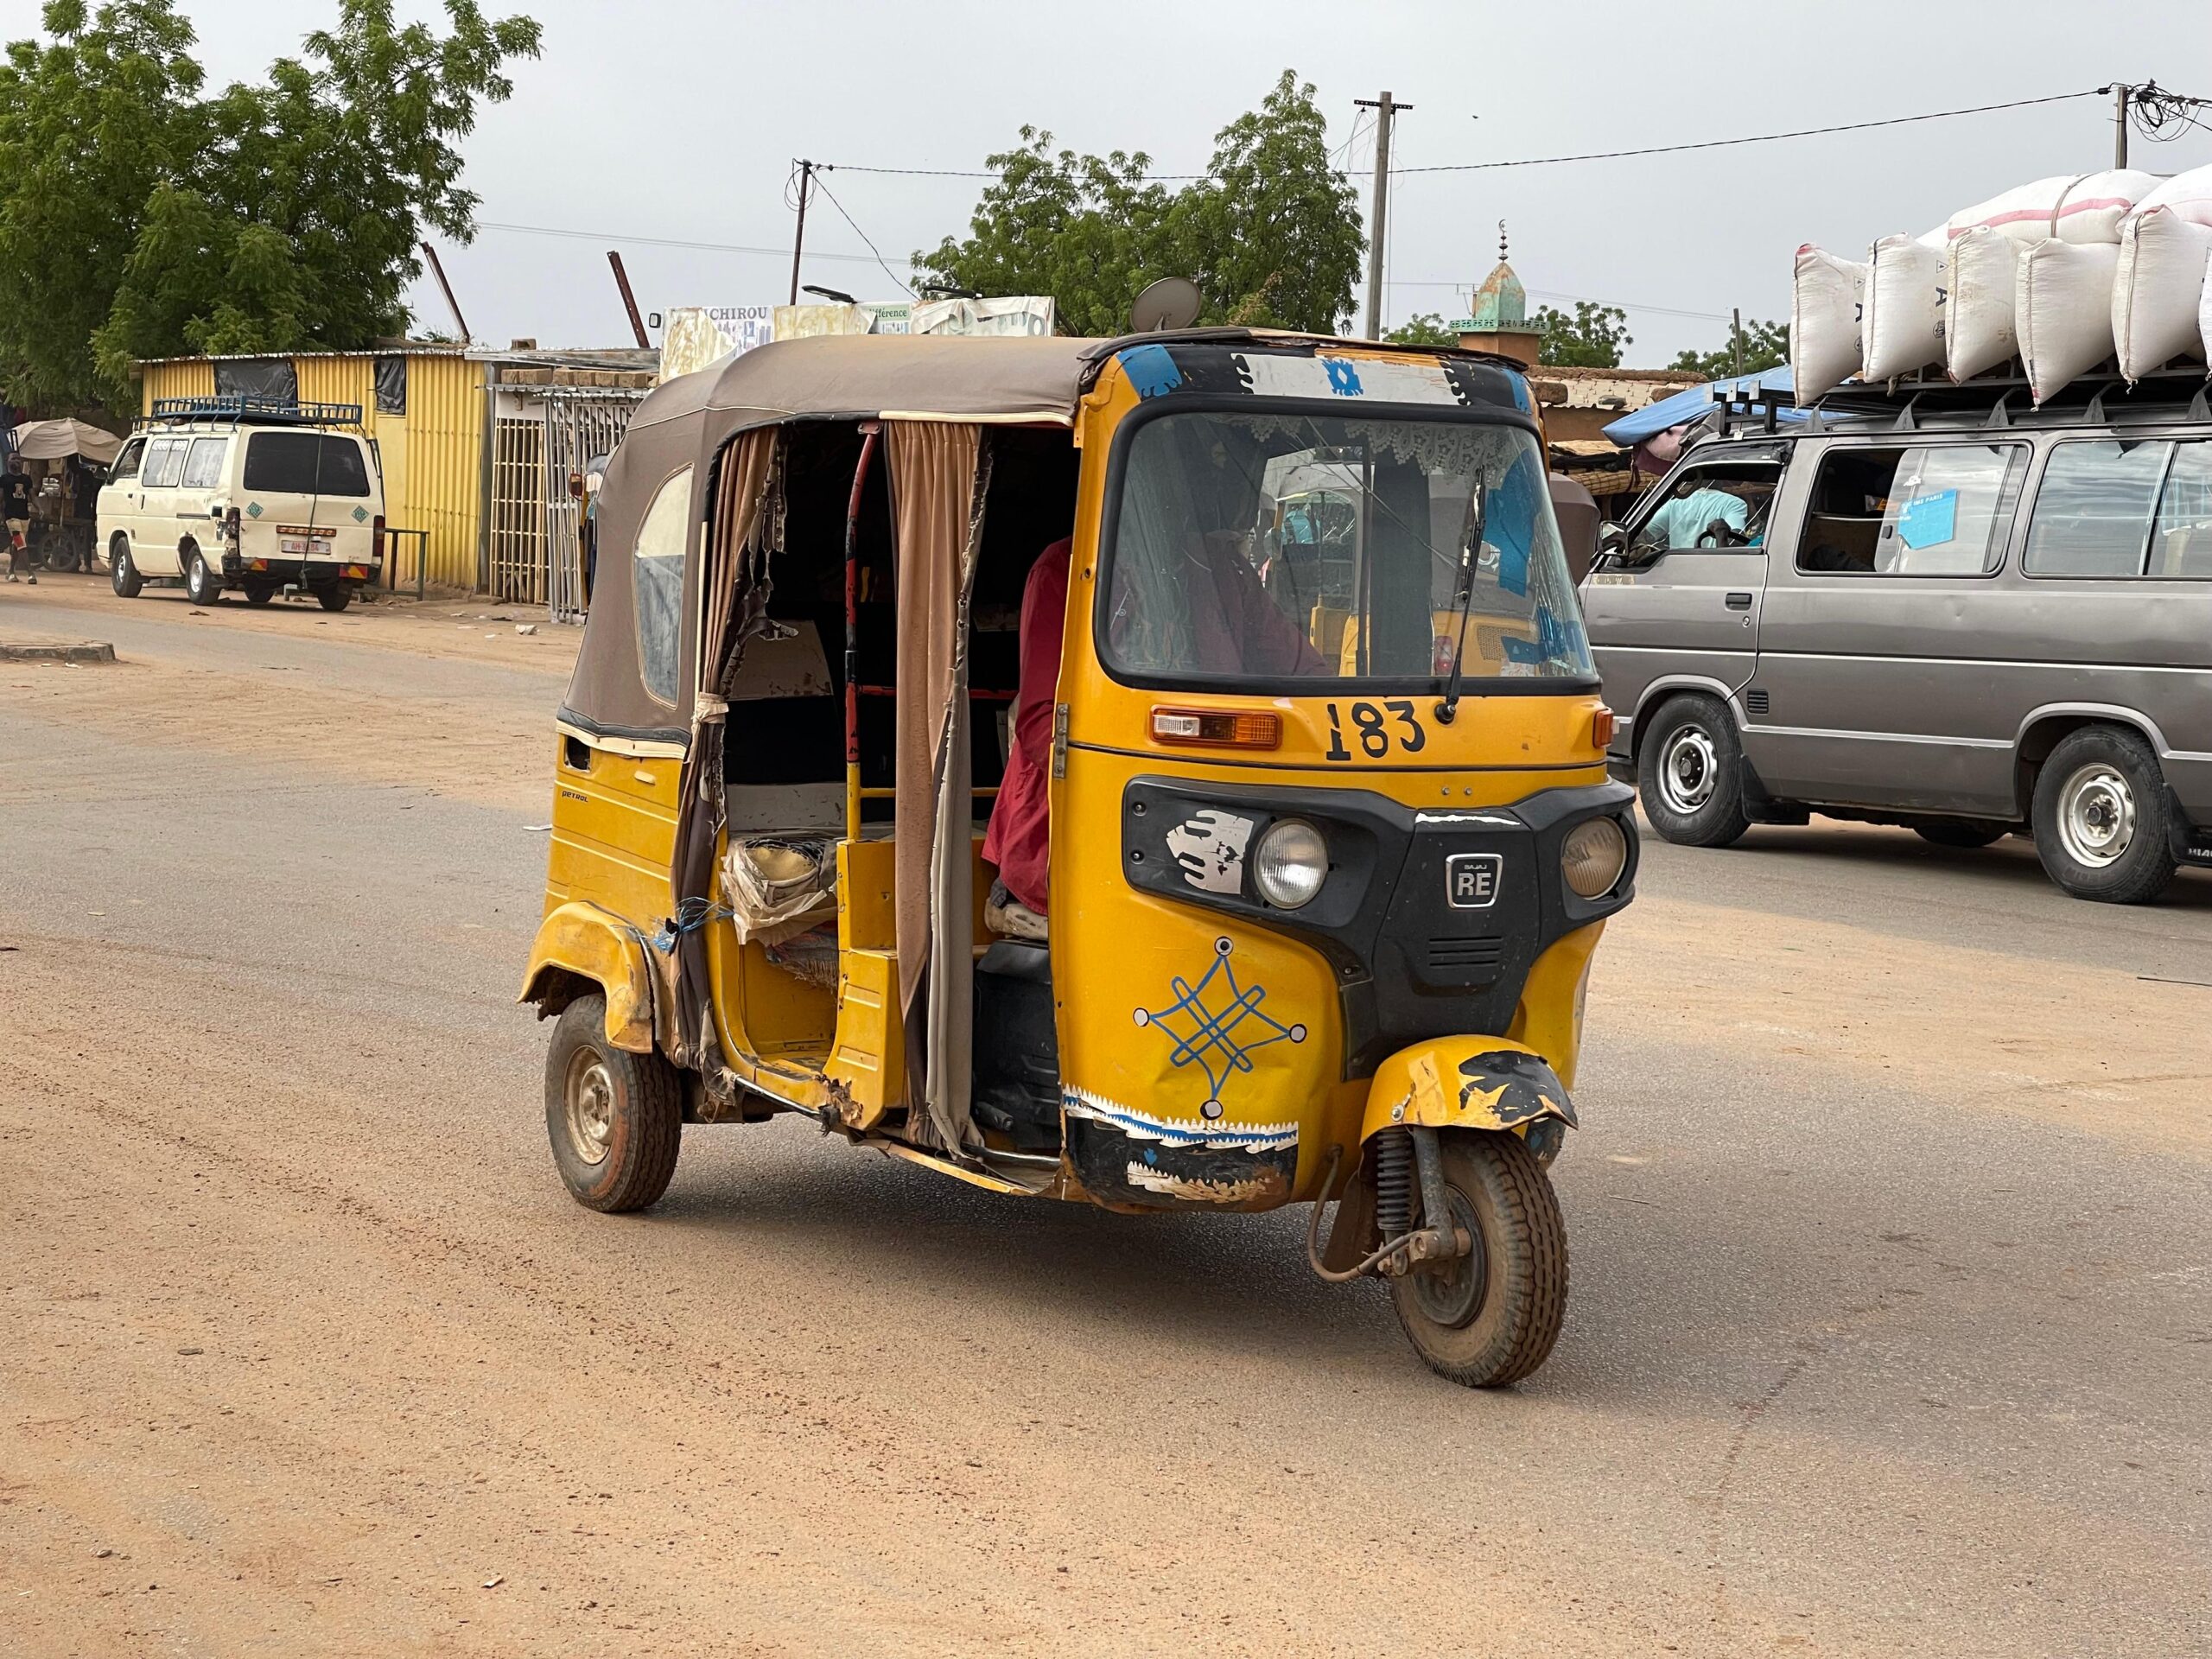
1690 773
259 593
201 585
122 574
615 1118
2100 816
1489 1317
334 599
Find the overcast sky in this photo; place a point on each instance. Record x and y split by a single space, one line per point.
678 120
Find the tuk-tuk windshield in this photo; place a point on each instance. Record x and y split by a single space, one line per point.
1256 546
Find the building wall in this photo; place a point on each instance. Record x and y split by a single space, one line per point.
433 455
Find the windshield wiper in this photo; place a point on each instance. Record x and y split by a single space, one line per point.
1471 547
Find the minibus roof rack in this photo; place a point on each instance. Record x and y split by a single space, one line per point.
1911 402
237 410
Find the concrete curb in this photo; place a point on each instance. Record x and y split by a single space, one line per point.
92 650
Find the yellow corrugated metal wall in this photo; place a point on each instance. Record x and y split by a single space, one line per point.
433 457
445 462
193 378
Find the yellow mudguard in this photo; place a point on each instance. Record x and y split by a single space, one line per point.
581 941
1465 1082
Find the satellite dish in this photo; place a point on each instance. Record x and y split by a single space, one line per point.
1169 303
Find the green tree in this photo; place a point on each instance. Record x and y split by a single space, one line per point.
1766 345
1270 233
1422 328
1592 338
275 216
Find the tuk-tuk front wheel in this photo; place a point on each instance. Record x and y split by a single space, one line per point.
615 1118
1489 1317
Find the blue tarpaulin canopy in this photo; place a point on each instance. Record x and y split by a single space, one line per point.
1686 406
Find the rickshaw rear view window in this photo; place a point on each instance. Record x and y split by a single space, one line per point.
1255 547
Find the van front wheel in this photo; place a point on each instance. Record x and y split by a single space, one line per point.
615 1118
1690 775
2100 817
335 599
122 574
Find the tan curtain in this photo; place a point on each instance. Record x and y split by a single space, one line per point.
738 502
936 491
742 533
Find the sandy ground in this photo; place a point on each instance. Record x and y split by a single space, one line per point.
1892 1312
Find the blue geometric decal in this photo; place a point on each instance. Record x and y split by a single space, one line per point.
1344 376
1218 1028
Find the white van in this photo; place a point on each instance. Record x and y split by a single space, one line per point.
244 492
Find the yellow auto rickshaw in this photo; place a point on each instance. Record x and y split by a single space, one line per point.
1316 914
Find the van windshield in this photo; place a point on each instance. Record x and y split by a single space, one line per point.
305 463
1262 546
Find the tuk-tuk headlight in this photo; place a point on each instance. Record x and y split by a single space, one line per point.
1290 863
1593 857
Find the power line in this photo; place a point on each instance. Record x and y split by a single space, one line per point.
822 185
666 241
1556 161
1756 138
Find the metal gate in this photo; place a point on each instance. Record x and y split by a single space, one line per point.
533 543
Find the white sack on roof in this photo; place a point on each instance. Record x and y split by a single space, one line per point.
1824 304
2061 308
2083 208
2156 289
1901 331
1980 271
2187 196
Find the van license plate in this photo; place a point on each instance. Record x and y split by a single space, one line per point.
305 546
1470 880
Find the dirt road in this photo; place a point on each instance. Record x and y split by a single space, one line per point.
1891 1322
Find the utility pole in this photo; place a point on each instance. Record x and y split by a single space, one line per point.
2121 92
799 241
1384 108
1735 338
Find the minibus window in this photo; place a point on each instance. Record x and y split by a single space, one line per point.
659 584
2182 543
203 465
1914 509
2093 514
1723 506
126 464
164 463
305 463
1256 548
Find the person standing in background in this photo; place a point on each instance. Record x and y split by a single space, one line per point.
15 510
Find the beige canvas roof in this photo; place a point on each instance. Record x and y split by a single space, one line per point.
51 439
905 375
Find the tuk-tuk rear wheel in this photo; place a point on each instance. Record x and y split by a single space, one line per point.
615 1119
1489 1317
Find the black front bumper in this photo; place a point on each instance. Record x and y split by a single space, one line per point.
1409 963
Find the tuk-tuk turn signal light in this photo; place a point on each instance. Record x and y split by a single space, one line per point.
1215 729
1601 729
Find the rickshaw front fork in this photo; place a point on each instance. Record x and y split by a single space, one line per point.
1404 1158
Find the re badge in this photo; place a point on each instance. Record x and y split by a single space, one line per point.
1470 880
